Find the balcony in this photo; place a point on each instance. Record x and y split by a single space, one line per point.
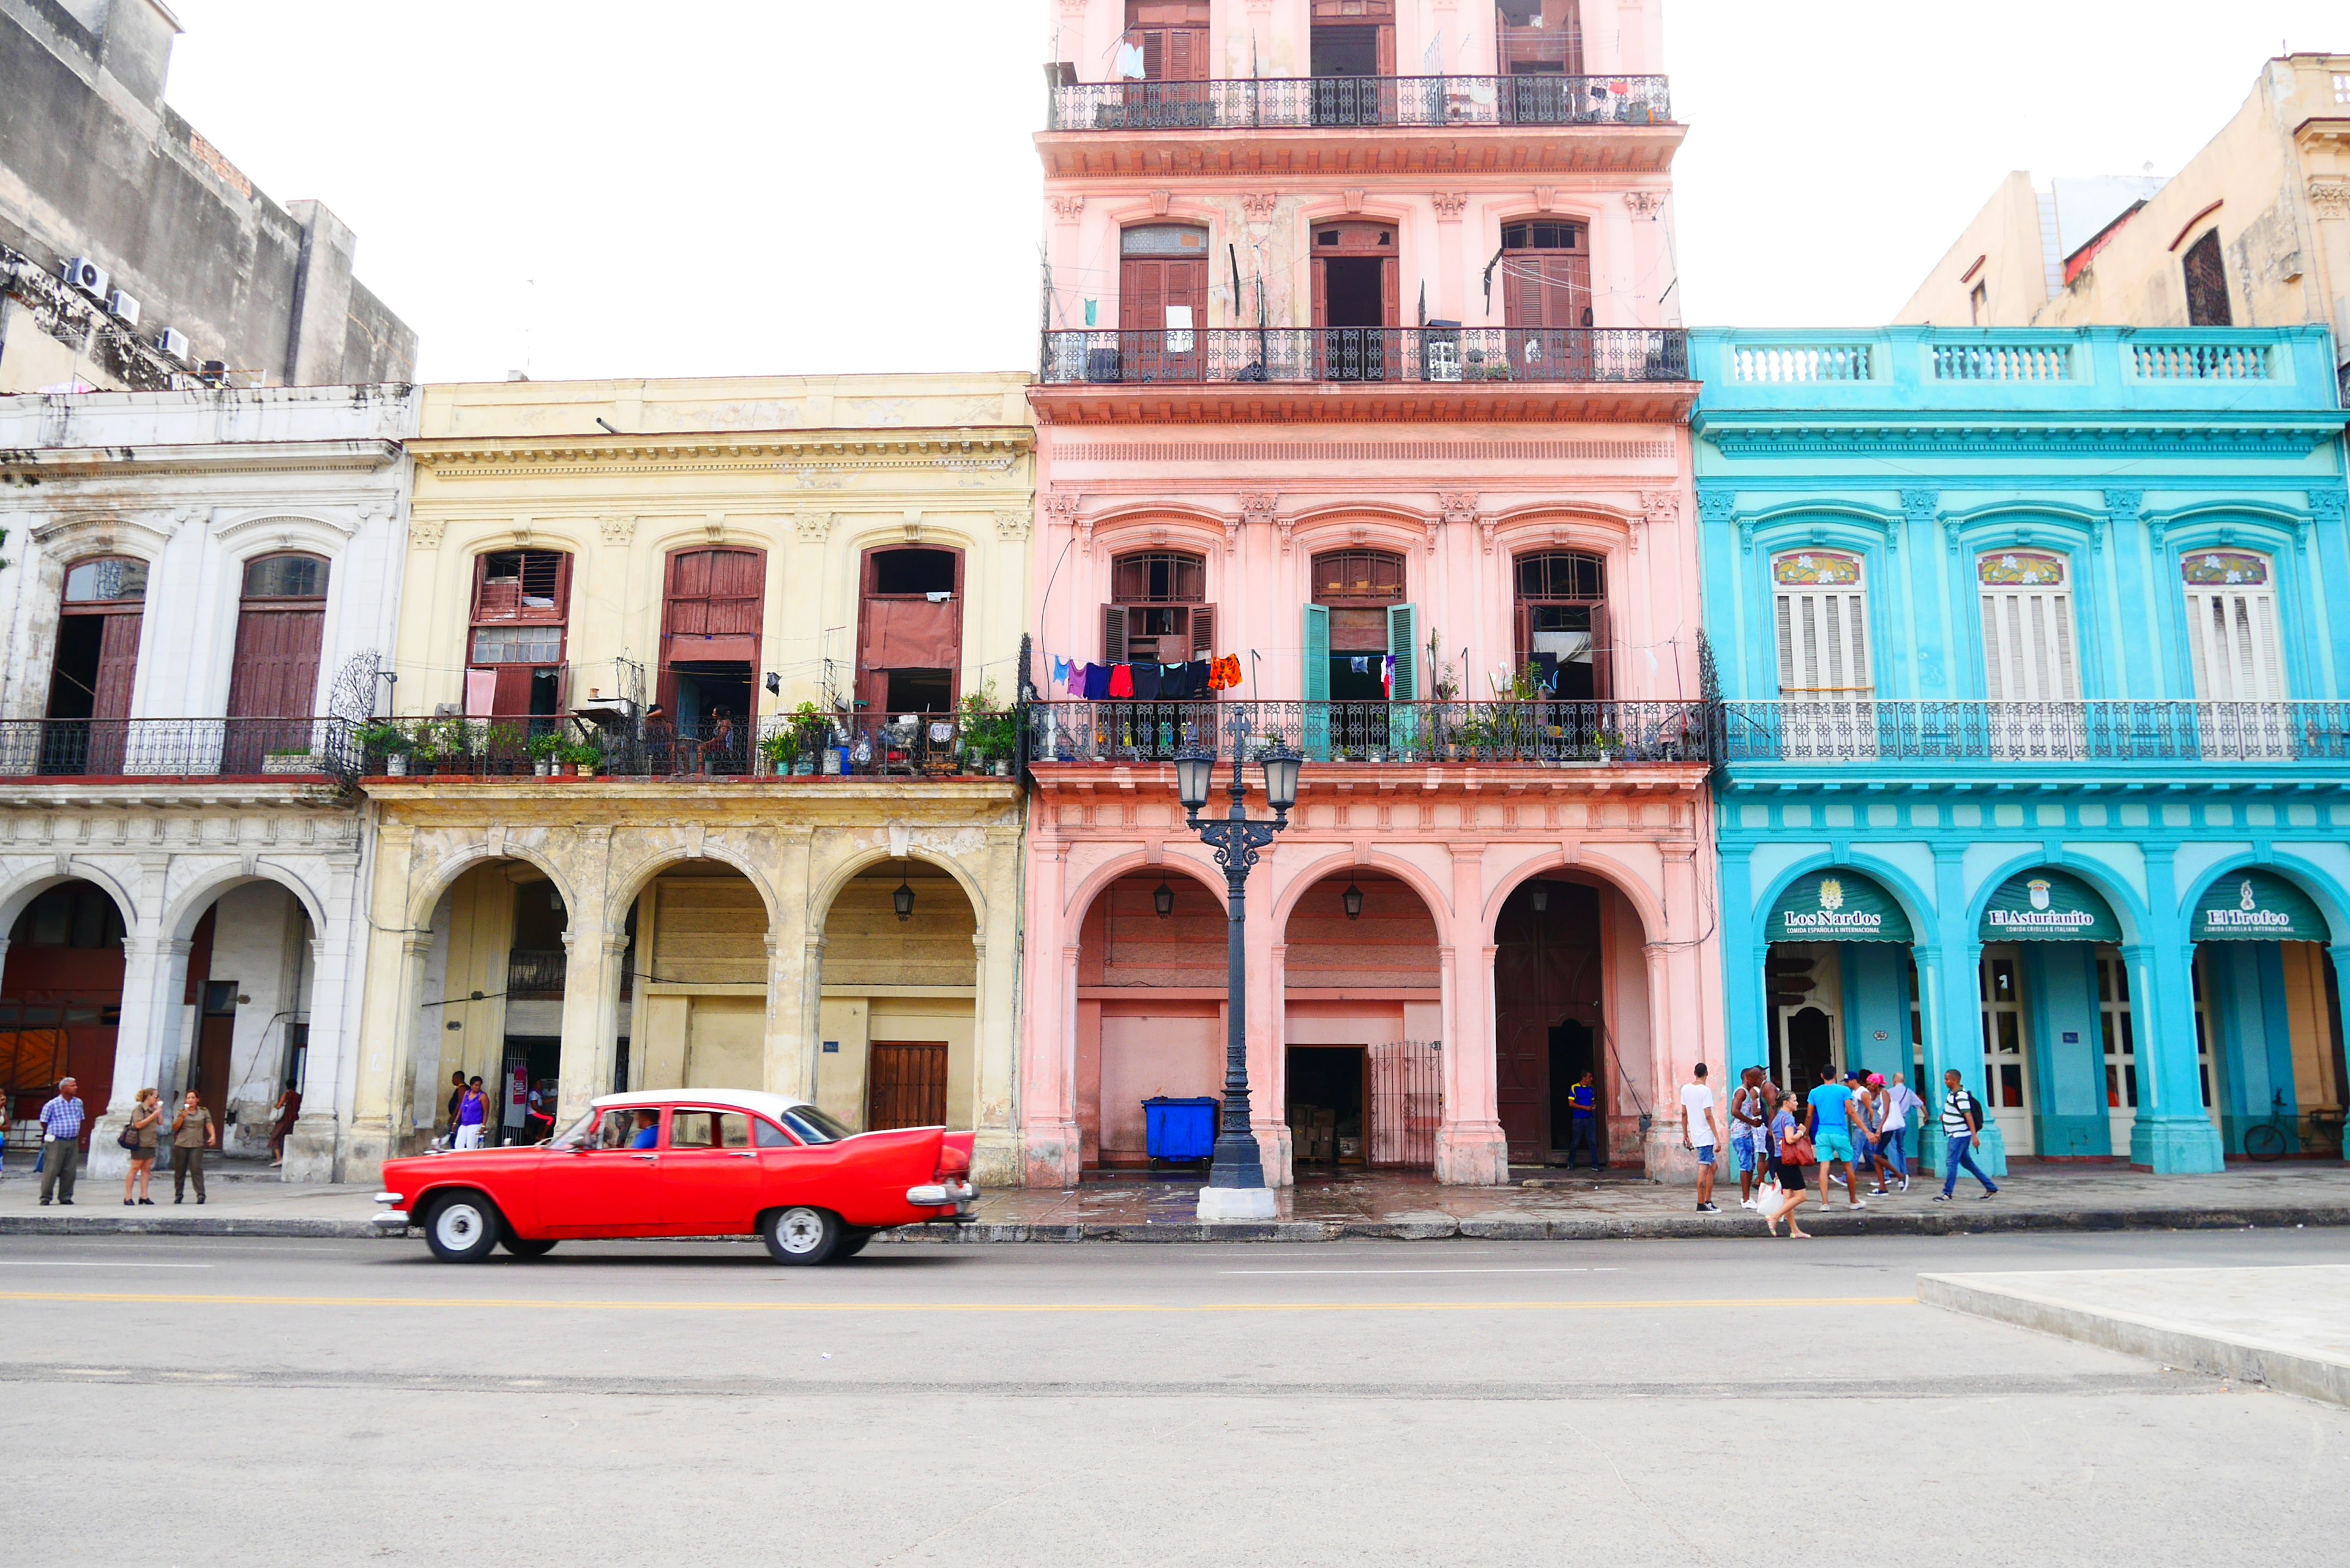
1294 103
39 750
1512 734
534 971
1232 373
786 746
2037 733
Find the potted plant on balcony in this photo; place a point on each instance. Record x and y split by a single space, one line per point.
545 754
808 730
387 741
583 759
989 737
503 747
1609 744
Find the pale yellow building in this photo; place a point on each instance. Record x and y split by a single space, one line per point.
775 619
2253 232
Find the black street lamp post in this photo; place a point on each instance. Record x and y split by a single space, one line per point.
1236 1188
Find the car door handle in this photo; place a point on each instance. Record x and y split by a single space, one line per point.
742 1153
646 1156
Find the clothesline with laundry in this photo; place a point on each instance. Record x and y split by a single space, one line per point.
1145 682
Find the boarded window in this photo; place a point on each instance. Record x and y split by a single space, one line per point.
909 630
522 584
2206 284
522 599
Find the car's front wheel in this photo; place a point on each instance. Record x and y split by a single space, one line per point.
526 1246
801 1234
462 1228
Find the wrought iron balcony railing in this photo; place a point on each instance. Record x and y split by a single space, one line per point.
173 747
1408 354
930 745
534 971
1305 103
1847 731
1404 733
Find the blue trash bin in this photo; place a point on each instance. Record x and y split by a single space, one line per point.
1181 1129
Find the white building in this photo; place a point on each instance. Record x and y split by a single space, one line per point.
194 586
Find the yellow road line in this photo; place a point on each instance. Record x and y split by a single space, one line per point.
489 1303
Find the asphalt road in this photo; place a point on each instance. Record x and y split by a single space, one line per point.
260 1402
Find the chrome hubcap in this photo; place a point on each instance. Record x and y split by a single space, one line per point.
458 1225
800 1229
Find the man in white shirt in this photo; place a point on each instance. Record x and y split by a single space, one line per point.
1901 1103
1700 1132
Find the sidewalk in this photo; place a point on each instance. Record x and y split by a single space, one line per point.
1397 1207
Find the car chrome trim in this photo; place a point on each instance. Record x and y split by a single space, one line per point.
395 1220
934 1195
387 1198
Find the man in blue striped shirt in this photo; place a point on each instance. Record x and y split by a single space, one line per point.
61 1142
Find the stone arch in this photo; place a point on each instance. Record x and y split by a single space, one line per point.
1912 898
1594 860
2136 920
822 895
269 532
18 892
187 907
428 891
1079 899
2332 899
1348 857
626 886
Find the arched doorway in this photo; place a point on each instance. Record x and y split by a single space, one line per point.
1361 1079
492 1004
2059 1041
251 970
2268 1016
1841 983
1150 1009
694 990
272 683
60 1001
897 1035
1571 998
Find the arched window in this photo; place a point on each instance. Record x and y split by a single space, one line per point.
1162 303
514 662
1562 623
712 606
1361 637
280 621
2027 627
909 642
1173 37
103 603
2206 284
1819 605
1158 612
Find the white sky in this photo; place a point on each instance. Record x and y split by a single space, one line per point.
784 186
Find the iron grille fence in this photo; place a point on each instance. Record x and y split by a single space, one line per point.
2134 732
1407 1101
1540 734
1109 356
1292 103
532 971
786 745
174 748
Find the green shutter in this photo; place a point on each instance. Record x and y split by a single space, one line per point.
1403 644
1316 685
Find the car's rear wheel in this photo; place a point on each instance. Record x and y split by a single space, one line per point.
462 1228
526 1246
852 1241
801 1234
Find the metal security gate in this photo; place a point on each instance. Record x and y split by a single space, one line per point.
1407 1102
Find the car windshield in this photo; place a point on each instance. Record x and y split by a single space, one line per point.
578 1135
814 1126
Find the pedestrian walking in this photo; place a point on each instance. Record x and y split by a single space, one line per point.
1867 1130
1962 1121
1700 1132
192 1133
1750 1134
286 1113
1790 1157
1831 1130
61 1121
456 1097
1901 1107
145 1131
473 1109
1582 1124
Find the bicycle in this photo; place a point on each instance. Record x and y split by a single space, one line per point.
2267 1140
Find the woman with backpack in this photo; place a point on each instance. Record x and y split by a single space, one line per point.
1792 1156
1962 1120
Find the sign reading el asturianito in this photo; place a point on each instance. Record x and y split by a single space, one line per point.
2048 906
2257 907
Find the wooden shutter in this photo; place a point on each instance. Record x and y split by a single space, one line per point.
1603 656
1114 633
2206 284
1203 632
1822 640
275 670
1387 52
2232 637
1390 300
2028 645
1403 646
1141 294
1546 289
118 667
1316 685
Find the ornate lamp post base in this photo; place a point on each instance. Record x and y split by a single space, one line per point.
1238 1203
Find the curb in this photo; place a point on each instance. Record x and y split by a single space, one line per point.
2281 1367
1414 1228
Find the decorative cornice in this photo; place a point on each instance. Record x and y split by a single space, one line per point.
54 463
2216 435
1365 403
958 447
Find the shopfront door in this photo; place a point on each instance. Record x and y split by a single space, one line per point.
2007 1078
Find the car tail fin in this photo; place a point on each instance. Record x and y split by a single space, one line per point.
954 1154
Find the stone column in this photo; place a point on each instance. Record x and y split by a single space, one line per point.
383 1105
1279 1149
591 1014
1264 1067
2340 952
154 980
313 1146
1961 1008
1471 1149
1931 1009
795 1015
1051 1143
994 1104
2173 1134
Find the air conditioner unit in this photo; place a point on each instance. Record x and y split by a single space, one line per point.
172 344
86 275
124 309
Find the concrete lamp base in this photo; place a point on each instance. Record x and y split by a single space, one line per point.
1237 1203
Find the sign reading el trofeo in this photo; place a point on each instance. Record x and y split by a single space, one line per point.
2258 906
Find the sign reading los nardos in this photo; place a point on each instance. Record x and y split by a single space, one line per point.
1837 905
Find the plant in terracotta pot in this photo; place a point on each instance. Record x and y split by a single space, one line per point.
583 760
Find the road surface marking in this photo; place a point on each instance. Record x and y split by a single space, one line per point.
1493 1270
488 1304
78 1264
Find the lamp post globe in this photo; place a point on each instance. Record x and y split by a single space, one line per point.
1195 775
1280 769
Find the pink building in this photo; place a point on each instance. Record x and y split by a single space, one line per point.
1362 372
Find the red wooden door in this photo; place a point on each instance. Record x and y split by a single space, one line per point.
1546 303
275 674
1147 286
906 1084
713 611
118 666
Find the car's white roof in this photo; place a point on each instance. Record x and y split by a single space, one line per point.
730 1100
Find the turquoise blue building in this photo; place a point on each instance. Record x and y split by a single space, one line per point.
2035 649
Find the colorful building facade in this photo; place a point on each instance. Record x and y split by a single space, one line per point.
702 776
1360 388
2034 751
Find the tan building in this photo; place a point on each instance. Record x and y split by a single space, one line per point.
770 619
2253 232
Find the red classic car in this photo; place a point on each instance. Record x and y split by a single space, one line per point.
685 1162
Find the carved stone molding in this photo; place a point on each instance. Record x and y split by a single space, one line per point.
815 527
913 524
1450 205
1257 207
1161 200
713 527
2329 195
1715 507
1354 198
617 529
1657 507
1067 209
426 534
1645 204
1919 509
1012 524
1545 197
1458 508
